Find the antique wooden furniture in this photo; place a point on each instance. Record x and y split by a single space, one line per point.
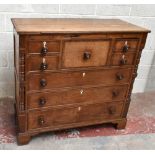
74 72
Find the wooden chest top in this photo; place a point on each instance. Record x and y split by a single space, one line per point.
40 25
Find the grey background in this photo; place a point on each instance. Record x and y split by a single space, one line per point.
142 15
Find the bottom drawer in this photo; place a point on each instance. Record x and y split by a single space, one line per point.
73 114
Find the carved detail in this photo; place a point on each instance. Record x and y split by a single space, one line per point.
22 79
134 75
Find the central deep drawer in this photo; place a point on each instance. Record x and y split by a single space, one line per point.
85 53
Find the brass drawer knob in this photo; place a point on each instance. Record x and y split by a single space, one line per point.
119 76
123 61
43 83
44 49
111 110
86 55
42 101
43 65
41 120
125 47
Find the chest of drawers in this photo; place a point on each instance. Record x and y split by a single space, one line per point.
73 72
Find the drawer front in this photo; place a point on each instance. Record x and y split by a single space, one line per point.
73 96
126 45
43 47
52 117
69 79
123 59
100 111
68 115
85 53
38 63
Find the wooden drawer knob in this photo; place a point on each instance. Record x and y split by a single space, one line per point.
44 49
43 66
42 101
115 93
111 110
119 76
123 61
43 83
86 55
41 120
125 47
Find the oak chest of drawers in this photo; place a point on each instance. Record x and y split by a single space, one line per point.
73 72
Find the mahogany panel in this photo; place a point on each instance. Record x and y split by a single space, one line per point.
85 53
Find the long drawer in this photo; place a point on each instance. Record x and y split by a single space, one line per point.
73 114
78 78
81 95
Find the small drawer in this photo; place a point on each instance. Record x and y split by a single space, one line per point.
73 96
43 47
60 116
38 63
126 45
85 53
123 59
37 81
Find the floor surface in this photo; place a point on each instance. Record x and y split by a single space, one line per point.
139 132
